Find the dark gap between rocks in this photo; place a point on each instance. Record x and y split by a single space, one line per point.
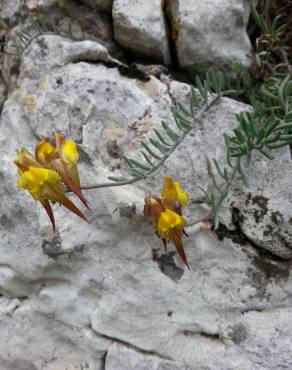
171 32
269 265
128 71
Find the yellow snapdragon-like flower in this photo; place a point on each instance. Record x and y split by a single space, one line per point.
166 213
172 191
46 178
63 159
169 220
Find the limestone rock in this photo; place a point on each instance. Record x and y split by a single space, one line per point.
104 295
124 358
139 28
210 33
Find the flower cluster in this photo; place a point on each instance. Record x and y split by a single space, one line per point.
166 212
50 173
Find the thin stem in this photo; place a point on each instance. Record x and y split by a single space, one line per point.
109 184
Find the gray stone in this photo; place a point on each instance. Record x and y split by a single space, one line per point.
100 295
210 33
139 28
126 358
32 341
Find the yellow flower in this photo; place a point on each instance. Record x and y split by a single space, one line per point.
69 152
45 185
46 176
62 159
169 220
166 213
45 153
172 191
25 160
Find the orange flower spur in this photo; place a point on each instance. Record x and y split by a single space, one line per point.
166 212
48 175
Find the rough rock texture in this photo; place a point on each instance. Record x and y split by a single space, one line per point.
210 32
103 295
140 28
102 5
78 20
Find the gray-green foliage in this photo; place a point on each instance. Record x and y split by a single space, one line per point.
267 127
164 141
18 40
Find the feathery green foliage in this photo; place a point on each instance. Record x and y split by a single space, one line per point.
164 141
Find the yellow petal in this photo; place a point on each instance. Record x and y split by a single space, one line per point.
169 190
182 196
35 178
172 192
45 152
169 220
69 152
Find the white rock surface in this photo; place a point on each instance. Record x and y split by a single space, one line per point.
103 295
139 28
210 33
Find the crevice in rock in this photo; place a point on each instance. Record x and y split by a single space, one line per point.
268 264
104 360
215 336
236 235
130 71
171 29
132 346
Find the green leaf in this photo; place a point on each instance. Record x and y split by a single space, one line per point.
282 90
222 174
200 87
181 122
243 176
170 133
117 179
138 164
277 145
266 153
284 126
287 137
159 136
270 128
184 110
239 135
137 173
146 157
159 146
147 148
